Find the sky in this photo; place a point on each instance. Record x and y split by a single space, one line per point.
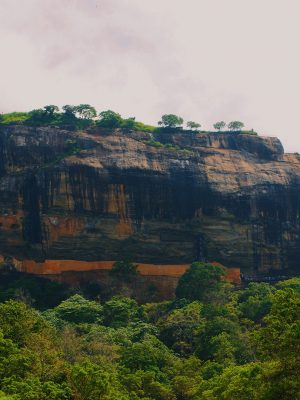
204 60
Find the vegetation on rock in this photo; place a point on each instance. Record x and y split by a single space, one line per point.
82 116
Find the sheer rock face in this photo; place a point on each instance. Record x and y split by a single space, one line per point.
103 195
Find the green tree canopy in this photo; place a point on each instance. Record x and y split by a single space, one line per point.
124 270
193 125
77 309
110 119
171 121
235 125
219 125
200 282
128 123
18 321
119 311
85 111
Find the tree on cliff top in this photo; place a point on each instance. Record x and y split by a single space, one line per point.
171 121
193 125
43 116
219 125
235 125
200 282
85 111
110 119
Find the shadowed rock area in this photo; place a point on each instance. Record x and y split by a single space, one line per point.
105 195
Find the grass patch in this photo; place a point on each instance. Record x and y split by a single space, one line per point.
14 118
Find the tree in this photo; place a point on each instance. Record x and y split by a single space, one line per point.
293 283
171 121
69 110
69 115
279 341
124 269
219 125
149 355
85 111
43 116
18 321
110 119
237 383
180 330
119 311
128 123
51 109
235 125
32 388
77 309
200 282
90 382
255 301
193 125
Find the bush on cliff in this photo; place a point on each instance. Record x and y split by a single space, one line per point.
124 270
202 281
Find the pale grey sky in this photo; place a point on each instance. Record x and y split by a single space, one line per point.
205 60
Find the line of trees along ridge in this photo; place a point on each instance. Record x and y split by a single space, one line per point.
83 116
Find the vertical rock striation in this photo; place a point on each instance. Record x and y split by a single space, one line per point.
103 195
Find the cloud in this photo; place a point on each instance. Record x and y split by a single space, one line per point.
203 59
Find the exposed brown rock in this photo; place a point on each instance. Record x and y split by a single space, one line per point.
102 195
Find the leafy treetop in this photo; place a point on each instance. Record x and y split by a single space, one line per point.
170 121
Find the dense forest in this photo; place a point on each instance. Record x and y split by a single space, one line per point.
213 341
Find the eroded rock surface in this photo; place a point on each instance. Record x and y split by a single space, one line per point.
104 195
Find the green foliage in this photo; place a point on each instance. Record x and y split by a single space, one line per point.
235 125
33 389
234 344
17 321
110 119
193 125
154 143
200 282
255 301
124 270
128 123
139 126
47 116
85 111
90 381
181 329
168 146
119 311
251 132
14 118
148 355
236 383
171 121
219 126
293 283
83 116
79 310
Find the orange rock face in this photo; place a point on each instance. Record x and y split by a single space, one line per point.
226 197
57 267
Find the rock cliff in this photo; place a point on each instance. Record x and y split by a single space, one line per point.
102 195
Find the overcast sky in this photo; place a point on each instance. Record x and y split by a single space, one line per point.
205 60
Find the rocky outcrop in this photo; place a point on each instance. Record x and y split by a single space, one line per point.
103 195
